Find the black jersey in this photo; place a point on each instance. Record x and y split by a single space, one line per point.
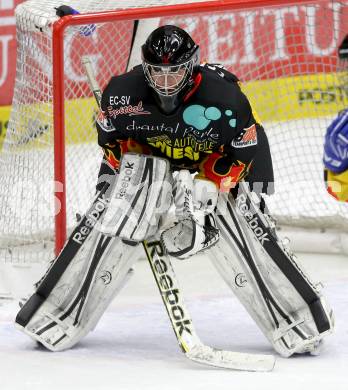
213 130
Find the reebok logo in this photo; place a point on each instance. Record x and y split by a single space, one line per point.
170 294
124 178
90 220
251 219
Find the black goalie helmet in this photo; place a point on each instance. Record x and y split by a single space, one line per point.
169 58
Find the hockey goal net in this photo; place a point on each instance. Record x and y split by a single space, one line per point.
284 52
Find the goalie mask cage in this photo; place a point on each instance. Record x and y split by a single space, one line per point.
284 52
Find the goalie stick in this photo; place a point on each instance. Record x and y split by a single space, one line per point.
178 314
181 321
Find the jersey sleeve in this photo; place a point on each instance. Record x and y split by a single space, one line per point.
232 162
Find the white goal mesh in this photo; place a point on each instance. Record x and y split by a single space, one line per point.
286 57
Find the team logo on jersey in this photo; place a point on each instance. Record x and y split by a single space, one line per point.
248 137
127 110
104 122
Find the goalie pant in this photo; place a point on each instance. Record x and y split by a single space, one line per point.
265 276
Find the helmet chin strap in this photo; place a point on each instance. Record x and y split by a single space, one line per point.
169 104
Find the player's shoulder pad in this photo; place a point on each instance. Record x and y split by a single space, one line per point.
218 79
218 71
132 84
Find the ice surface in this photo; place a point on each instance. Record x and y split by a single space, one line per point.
134 347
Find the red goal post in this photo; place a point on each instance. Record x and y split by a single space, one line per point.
284 52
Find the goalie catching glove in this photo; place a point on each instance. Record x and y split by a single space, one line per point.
195 229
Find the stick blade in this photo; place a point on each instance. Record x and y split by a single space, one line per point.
231 360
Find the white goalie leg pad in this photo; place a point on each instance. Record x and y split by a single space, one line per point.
84 291
276 292
141 196
195 229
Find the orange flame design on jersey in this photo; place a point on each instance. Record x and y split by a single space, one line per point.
224 180
113 154
134 147
111 159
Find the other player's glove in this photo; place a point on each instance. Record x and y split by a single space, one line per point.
336 144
